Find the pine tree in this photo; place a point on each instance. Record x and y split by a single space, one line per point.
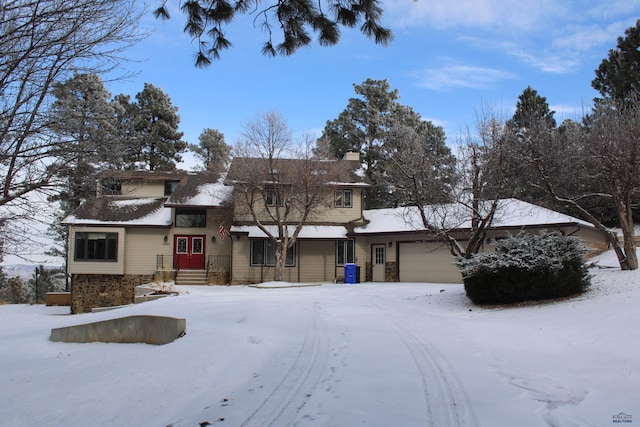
618 76
362 128
532 130
45 280
156 130
83 116
16 291
213 151
293 17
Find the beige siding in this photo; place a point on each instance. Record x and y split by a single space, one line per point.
102 267
143 189
143 246
317 260
324 215
343 215
390 252
138 247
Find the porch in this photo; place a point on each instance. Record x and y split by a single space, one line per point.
216 272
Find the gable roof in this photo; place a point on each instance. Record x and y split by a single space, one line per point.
120 212
343 172
144 175
511 213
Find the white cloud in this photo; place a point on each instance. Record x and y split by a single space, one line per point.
451 75
512 14
549 35
587 37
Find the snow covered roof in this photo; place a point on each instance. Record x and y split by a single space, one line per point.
307 232
204 189
121 212
511 213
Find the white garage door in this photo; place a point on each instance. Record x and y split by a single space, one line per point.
427 262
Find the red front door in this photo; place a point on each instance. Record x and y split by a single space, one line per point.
188 252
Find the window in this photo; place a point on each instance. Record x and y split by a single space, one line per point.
273 197
345 252
379 255
263 252
170 186
191 218
343 199
96 247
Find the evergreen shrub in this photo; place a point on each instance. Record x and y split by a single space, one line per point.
527 267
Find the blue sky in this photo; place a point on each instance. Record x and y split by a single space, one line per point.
449 60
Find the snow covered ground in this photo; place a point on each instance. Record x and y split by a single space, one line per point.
336 355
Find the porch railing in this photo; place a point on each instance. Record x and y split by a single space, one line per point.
164 262
218 263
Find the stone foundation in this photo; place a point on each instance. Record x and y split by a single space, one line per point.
391 272
104 290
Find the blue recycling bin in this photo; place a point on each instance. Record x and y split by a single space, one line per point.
350 276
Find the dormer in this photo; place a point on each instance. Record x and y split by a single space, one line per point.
138 183
353 156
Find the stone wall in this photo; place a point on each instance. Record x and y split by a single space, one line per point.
89 291
391 272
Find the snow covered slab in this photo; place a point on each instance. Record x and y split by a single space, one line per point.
307 232
277 285
131 329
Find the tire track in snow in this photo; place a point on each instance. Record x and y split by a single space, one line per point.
446 400
292 393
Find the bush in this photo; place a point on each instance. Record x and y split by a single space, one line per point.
527 267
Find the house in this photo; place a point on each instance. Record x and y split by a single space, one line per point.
144 226
197 228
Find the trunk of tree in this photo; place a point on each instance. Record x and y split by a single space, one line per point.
630 258
280 261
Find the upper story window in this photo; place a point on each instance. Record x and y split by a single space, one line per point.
273 197
344 199
191 218
170 186
96 247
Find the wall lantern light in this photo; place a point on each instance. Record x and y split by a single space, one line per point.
213 239
165 239
390 244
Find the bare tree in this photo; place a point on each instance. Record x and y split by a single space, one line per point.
603 166
449 192
279 184
42 42
482 182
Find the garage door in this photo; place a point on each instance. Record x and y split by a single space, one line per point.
427 262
